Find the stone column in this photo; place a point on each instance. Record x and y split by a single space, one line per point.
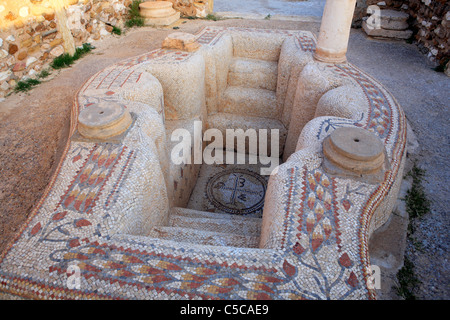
335 31
210 6
63 26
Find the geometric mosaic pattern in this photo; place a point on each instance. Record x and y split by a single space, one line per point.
321 251
237 191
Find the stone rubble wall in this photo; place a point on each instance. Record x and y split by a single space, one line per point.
429 19
193 8
431 23
30 37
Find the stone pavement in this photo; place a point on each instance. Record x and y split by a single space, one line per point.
265 7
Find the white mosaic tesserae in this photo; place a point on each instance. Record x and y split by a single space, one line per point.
139 226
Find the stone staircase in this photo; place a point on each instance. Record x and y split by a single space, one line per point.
250 100
253 73
209 228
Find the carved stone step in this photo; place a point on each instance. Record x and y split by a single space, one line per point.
247 227
223 121
204 237
386 33
394 20
250 102
258 74
191 213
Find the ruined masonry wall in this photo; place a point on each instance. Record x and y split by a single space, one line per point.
432 27
193 8
30 38
429 19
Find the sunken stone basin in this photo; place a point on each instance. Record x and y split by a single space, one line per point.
106 226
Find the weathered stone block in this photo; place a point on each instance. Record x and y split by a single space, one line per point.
56 42
5 75
13 48
57 51
34 49
26 43
49 16
22 55
3 54
181 41
19 66
392 24
385 33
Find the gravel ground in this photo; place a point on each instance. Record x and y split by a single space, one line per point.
272 7
424 95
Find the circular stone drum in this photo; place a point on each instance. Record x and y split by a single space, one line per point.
103 120
354 150
156 9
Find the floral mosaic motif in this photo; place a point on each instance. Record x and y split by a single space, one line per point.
91 178
317 231
380 118
147 270
64 227
332 124
346 201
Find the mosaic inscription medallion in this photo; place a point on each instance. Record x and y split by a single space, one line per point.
237 191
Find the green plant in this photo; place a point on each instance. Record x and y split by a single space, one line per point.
134 15
134 9
417 203
212 17
267 17
116 30
65 60
407 281
81 51
25 85
43 74
62 61
138 22
28 84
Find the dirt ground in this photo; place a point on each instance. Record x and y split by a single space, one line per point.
34 125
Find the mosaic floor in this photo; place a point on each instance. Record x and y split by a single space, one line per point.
316 236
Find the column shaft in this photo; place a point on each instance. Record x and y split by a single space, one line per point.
335 31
